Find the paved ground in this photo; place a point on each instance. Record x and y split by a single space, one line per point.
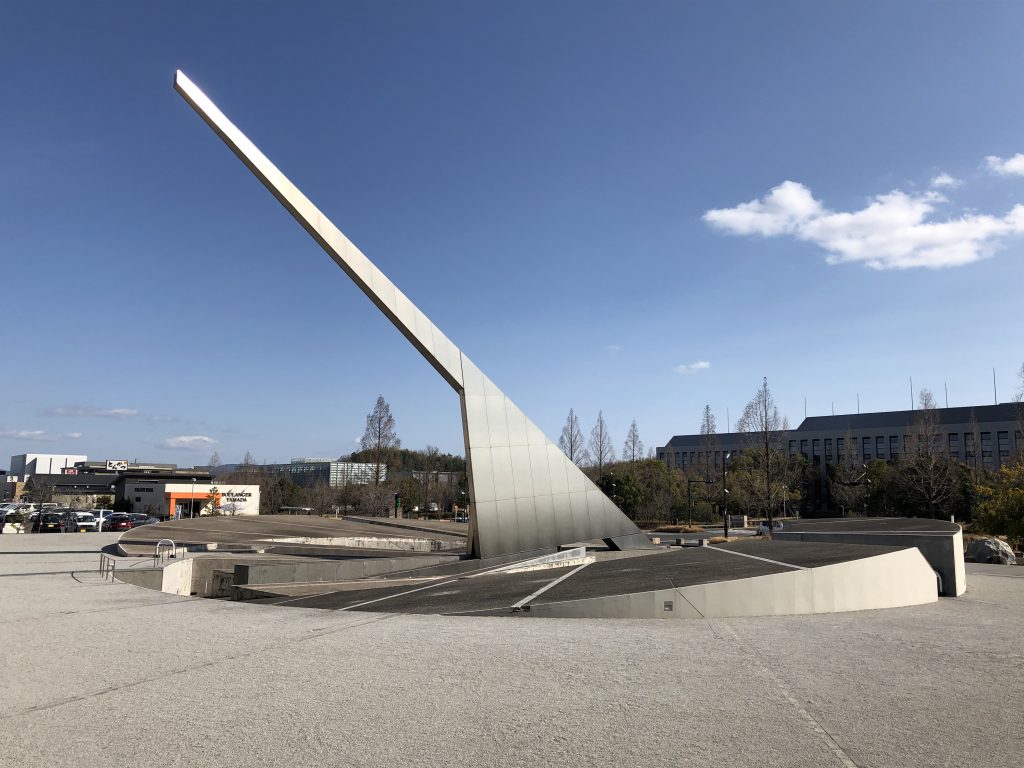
663 569
113 675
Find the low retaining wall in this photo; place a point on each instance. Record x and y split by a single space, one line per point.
944 552
150 578
892 580
373 542
301 571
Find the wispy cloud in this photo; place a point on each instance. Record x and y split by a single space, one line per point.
88 412
700 365
892 231
74 435
1011 166
945 181
187 443
163 419
614 348
34 435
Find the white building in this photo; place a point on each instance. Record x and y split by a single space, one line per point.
28 464
172 499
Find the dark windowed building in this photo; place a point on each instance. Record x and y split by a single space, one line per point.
983 436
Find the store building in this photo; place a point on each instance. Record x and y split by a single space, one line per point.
175 499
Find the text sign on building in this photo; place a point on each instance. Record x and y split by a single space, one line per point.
70 471
117 465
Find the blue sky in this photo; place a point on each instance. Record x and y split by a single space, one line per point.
588 198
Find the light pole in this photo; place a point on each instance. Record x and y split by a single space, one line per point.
191 499
785 490
725 496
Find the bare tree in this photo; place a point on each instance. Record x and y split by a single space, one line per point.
708 442
764 428
927 476
707 421
214 461
380 438
848 477
633 450
601 450
571 440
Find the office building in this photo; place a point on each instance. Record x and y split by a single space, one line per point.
982 436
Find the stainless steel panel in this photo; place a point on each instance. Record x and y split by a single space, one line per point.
472 378
516 424
562 511
501 465
483 475
558 467
497 422
508 525
596 512
526 518
522 472
546 532
539 470
496 431
576 479
487 527
534 436
580 517
476 415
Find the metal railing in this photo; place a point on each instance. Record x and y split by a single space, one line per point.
165 548
108 566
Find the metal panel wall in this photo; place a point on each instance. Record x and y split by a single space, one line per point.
525 494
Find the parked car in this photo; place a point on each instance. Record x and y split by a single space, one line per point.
80 522
141 518
118 522
48 522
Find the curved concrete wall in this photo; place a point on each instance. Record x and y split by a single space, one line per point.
944 552
892 580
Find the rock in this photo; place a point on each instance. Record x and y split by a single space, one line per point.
990 551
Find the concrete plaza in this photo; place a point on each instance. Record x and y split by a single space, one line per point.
111 674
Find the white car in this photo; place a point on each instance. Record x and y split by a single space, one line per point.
763 527
81 522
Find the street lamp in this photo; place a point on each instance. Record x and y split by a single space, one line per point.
192 499
725 495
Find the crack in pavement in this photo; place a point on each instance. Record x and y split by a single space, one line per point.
815 726
204 665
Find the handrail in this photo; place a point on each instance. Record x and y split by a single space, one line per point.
108 565
162 547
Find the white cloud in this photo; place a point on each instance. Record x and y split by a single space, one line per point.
74 435
101 413
944 180
37 435
700 365
891 232
613 348
1011 166
187 443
